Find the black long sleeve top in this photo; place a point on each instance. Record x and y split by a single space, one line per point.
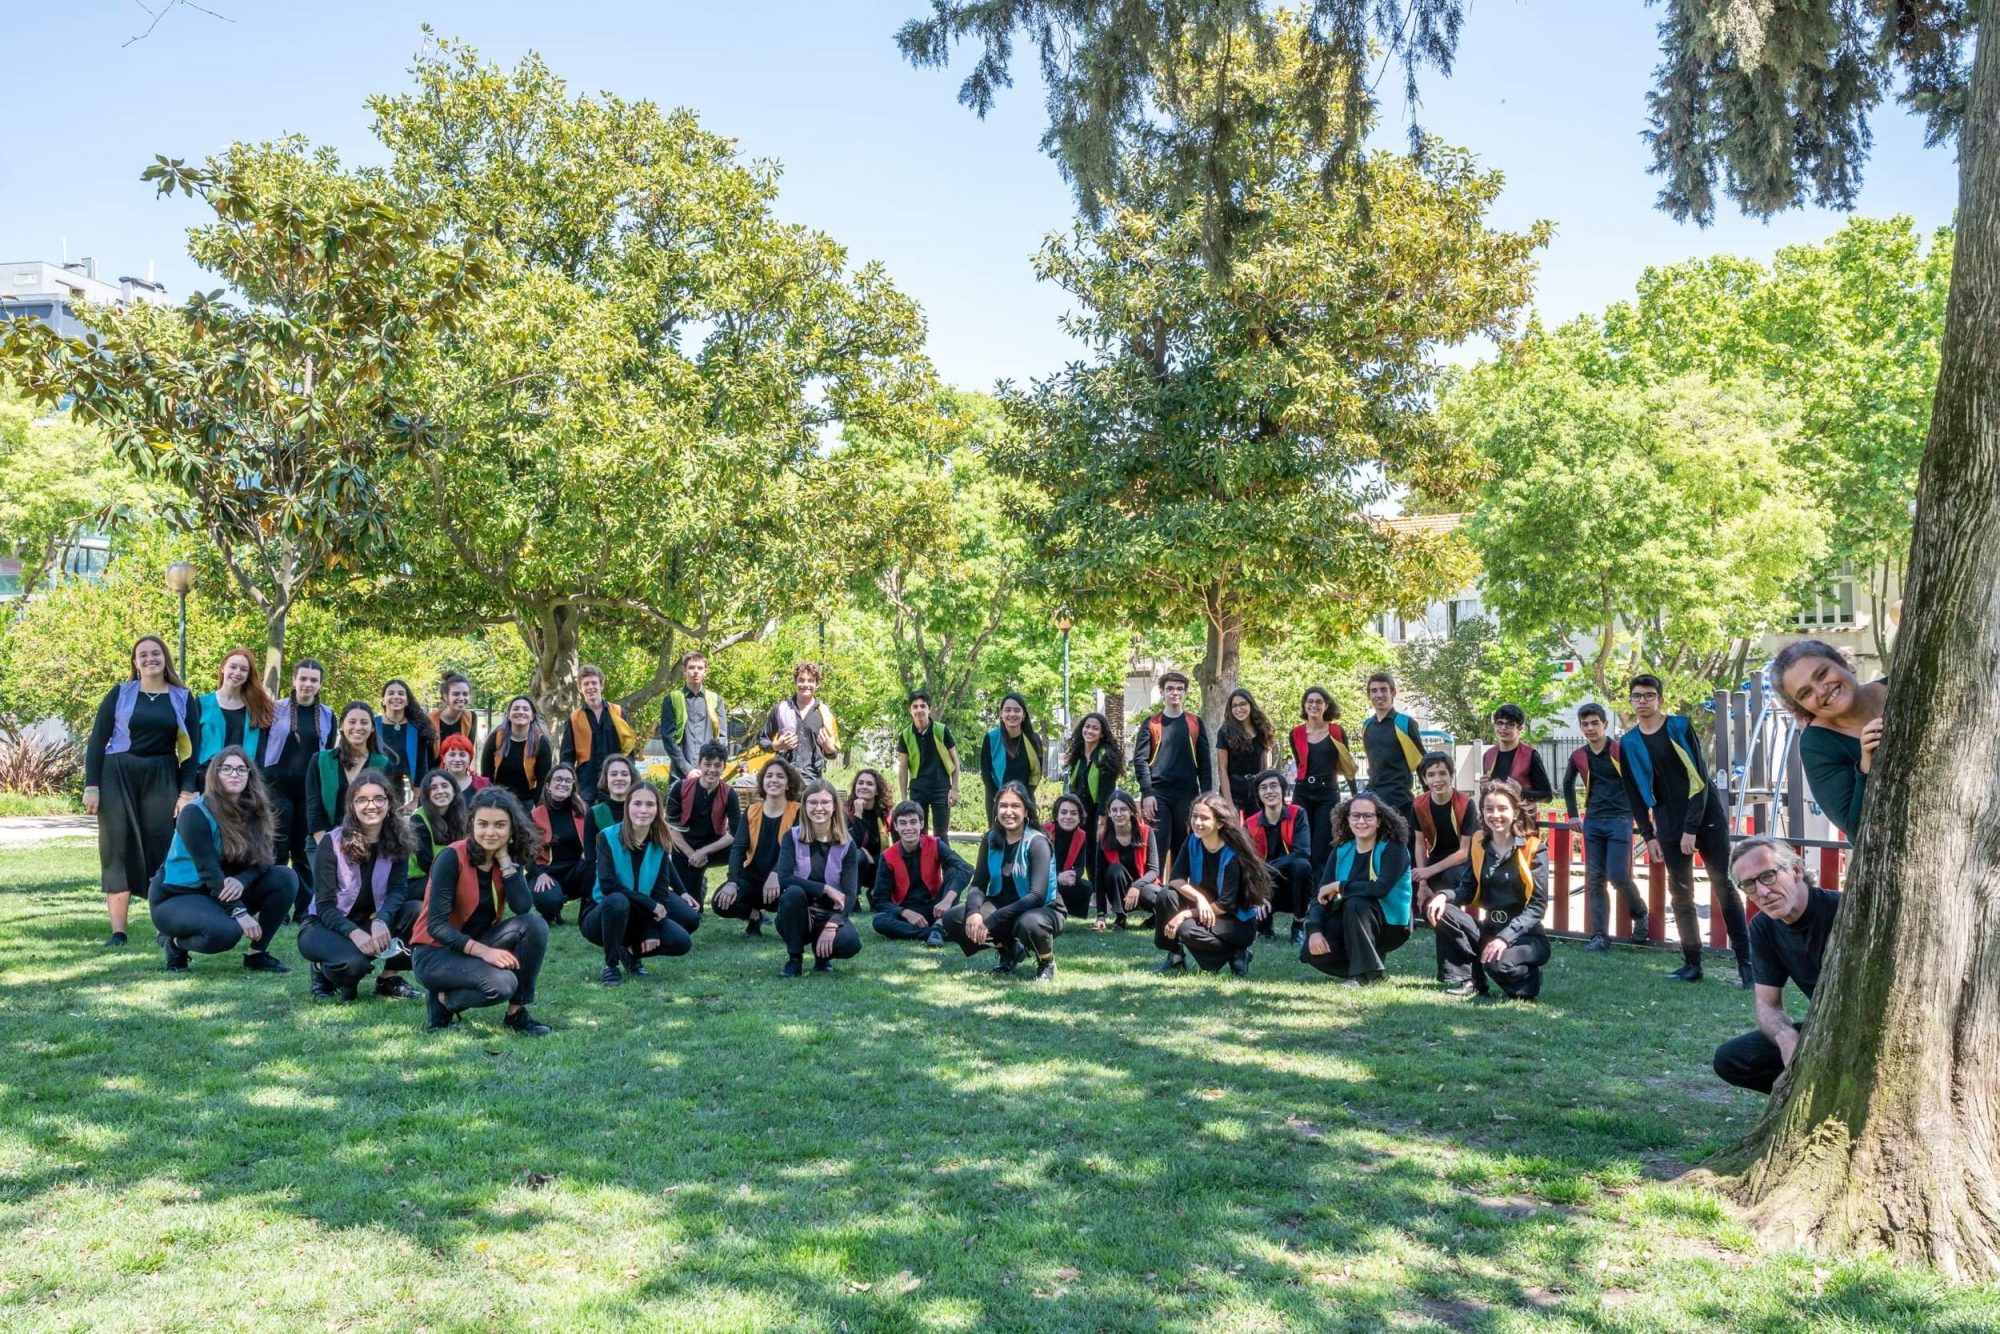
365 910
814 883
632 860
1031 851
152 732
1390 861
1536 786
444 885
1182 760
197 835
1499 888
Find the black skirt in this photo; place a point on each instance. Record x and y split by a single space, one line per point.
135 819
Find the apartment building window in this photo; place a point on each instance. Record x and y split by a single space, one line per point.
1832 605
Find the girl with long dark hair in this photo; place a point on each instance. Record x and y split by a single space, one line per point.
237 712
1489 925
1220 891
1011 751
439 818
362 913
752 883
1012 903
637 905
1129 860
868 809
1362 909
139 769
1092 766
616 778
1069 844
354 750
1321 758
403 733
219 884
1245 740
517 754
479 940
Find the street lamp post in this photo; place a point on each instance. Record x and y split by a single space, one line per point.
1063 623
180 582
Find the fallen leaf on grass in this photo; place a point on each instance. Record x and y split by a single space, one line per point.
1210 1095
906 1282
1068 1275
854 1285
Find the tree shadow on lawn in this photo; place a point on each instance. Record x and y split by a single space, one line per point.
1119 1151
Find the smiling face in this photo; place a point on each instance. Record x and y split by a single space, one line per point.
593 690
520 713
1009 813
356 726
1315 707
149 659
617 780
1012 715
819 808
1175 695
1201 820
1364 820
370 803
1271 793
395 700
559 787
1437 780
804 686
457 763
865 789
773 782
920 713
439 793
909 828
1822 687
458 697
1239 708
1068 816
1093 732
1381 695
710 769
236 671
1498 813
642 809
491 828
1507 733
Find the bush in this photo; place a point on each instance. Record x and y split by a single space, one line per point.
34 764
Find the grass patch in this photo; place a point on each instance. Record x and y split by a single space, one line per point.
21 803
909 1145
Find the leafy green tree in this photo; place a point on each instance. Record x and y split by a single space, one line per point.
633 419
57 477
1659 524
1462 677
268 417
1217 457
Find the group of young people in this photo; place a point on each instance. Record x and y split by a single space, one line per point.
402 846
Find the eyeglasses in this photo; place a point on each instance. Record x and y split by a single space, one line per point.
233 769
1645 696
1765 881
1352 816
360 802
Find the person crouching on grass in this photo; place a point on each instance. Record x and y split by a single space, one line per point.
638 906
1362 910
219 884
479 940
361 912
919 881
1011 903
819 870
1219 892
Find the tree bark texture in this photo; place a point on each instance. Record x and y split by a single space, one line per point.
1885 1135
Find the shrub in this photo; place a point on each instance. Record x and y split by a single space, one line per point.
35 764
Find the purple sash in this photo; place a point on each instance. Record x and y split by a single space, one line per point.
802 858
281 730
121 716
349 888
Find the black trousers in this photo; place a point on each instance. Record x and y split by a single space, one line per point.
465 983
800 921
937 809
1076 898
694 879
1291 885
749 900
294 844
623 928
1406 806
1033 923
890 922
1518 972
1173 820
1319 817
1711 843
1212 946
1750 1061
345 966
1114 880
1357 937
202 924
573 881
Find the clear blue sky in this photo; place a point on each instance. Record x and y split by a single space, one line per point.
875 153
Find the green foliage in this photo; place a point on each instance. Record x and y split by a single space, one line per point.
1660 524
1463 677
1217 458
634 415
57 477
269 416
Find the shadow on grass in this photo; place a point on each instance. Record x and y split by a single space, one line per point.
1118 1151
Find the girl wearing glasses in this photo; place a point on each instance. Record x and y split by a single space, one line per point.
219 884
1362 910
362 912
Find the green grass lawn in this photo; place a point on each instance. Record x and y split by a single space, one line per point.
910 1144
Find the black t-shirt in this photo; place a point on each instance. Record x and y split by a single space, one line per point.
1793 951
1243 754
1449 836
294 761
565 844
929 774
232 725
701 827
1607 788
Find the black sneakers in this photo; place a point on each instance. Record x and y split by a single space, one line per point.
260 961
753 927
1047 972
115 941
437 1015
791 968
822 965
322 990
394 987
526 1024
1173 963
177 958
1687 972
1239 963
934 937
611 977
1598 944
1640 935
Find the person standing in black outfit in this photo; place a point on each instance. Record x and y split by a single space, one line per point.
927 764
919 882
1218 894
1507 884
301 727
1394 745
819 867
139 769
1787 944
362 913
638 906
403 733
1011 903
752 883
1282 835
479 940
566 868
219 884
1172 763
1509 759
1605 825
1362 911
1244 741
1679 813
1129 861
1320 759
517 755
703 812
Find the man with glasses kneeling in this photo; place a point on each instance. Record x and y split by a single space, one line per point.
1787 942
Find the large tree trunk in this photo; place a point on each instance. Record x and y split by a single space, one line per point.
1221 659
554 636
274 649
1886 1133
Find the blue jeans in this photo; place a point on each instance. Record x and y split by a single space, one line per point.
1607 855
